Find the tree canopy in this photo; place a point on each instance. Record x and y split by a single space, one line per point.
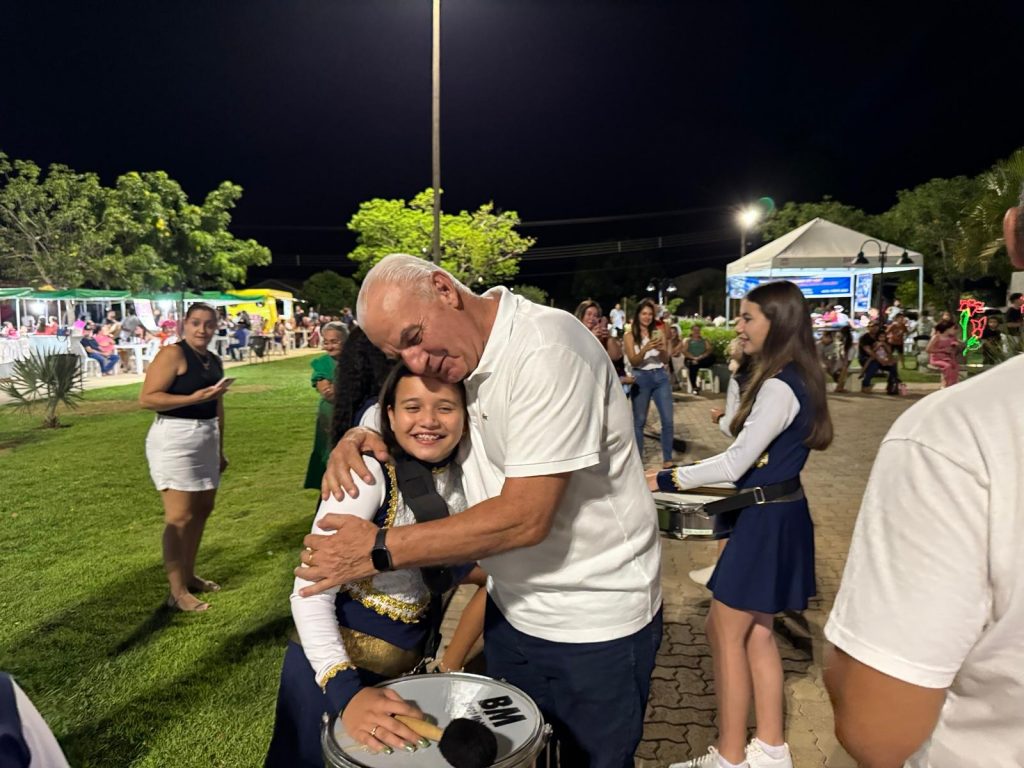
330 292
479 247
65 229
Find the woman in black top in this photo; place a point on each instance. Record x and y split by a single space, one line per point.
185 448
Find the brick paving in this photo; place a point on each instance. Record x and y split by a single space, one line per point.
680 720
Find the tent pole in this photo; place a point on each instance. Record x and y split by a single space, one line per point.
920 291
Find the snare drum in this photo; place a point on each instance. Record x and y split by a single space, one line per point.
682 516
506 710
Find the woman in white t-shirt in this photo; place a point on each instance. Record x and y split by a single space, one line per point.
646 348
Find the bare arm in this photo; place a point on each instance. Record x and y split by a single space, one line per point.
520 516
634 355
326 390
160 375
880 721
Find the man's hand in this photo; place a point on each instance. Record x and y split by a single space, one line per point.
338 559
347 460
716 415
368 719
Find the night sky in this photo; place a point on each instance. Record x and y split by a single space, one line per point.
554 109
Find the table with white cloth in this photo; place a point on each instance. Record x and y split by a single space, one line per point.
12 350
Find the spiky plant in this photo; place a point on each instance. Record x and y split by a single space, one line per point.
47 382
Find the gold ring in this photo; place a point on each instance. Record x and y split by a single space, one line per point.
373 731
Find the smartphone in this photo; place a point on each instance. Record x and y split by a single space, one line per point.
226 382
655 334
602 324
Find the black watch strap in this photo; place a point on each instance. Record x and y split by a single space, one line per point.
379 555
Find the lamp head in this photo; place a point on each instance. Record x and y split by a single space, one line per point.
905 259
748 217
670 288
861 260
651 287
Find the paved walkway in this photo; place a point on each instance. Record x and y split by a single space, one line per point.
680 721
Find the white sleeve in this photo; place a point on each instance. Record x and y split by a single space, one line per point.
371 418
42 744
915 595
732 404
314 616
556 416
774 409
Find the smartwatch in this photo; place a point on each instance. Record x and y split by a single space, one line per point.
379 555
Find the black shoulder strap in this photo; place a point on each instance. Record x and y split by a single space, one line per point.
416 484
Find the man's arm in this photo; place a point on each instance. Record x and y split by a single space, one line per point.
521 516
880 720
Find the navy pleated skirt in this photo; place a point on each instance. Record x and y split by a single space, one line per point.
768 564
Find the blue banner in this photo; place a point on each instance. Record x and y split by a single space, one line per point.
862 297
811 287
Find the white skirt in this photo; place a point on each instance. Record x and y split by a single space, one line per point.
184 454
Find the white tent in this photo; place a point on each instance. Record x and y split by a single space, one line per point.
819 256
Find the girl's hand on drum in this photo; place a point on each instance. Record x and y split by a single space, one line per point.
368 719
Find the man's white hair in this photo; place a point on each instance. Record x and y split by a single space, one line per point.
408 272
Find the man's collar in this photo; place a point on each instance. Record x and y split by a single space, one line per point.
498 338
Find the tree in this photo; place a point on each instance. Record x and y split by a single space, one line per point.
479 248
54 228
330 292
793 215
531 292
187 246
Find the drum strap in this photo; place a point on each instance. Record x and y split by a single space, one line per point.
416 483
750 497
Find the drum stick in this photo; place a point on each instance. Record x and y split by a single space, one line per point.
421 727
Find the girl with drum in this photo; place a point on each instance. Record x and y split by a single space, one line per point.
185 448
375 629
768 565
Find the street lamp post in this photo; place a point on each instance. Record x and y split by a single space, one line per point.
883 252
662 286
747 218
435 133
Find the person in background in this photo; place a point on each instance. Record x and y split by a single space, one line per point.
846 352
334 337
944 352
129 325
185 448
9 331
896 333
768 565
589 313
992 342
360 373
646 350
697 353
840 318
876 356
1013 314
238 340
617 321
279 333
347 318
105 354
927 668
925 326
893 310
242 320
50 329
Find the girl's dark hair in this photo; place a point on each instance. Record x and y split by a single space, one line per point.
789 340
200 306
635 328
387 400
584 306
846 337
943 326
358 377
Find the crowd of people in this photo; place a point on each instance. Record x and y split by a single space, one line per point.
470 460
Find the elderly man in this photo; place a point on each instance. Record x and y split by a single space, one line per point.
560 518
928 666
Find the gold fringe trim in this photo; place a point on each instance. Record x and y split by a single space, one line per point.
341 666
378 655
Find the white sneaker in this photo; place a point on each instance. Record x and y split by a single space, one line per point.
710 760
702 575
758 758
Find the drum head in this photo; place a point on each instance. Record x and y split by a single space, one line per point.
508 712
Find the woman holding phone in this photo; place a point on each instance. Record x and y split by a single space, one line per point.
648 353
185 448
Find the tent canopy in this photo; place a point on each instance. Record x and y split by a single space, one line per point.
818 245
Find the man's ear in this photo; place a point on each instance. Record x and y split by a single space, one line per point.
446 290
1013 224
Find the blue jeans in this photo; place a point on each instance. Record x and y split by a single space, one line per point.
106 362
592 694
653 384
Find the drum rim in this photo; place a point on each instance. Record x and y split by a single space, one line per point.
535 742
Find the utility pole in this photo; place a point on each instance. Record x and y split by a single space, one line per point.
435 246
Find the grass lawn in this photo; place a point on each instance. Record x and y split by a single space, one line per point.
121 680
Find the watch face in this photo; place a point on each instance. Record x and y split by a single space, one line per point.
381 559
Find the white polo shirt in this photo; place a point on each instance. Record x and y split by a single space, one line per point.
933 592
545 400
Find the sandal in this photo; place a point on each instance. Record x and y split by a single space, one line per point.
203 585
175 604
